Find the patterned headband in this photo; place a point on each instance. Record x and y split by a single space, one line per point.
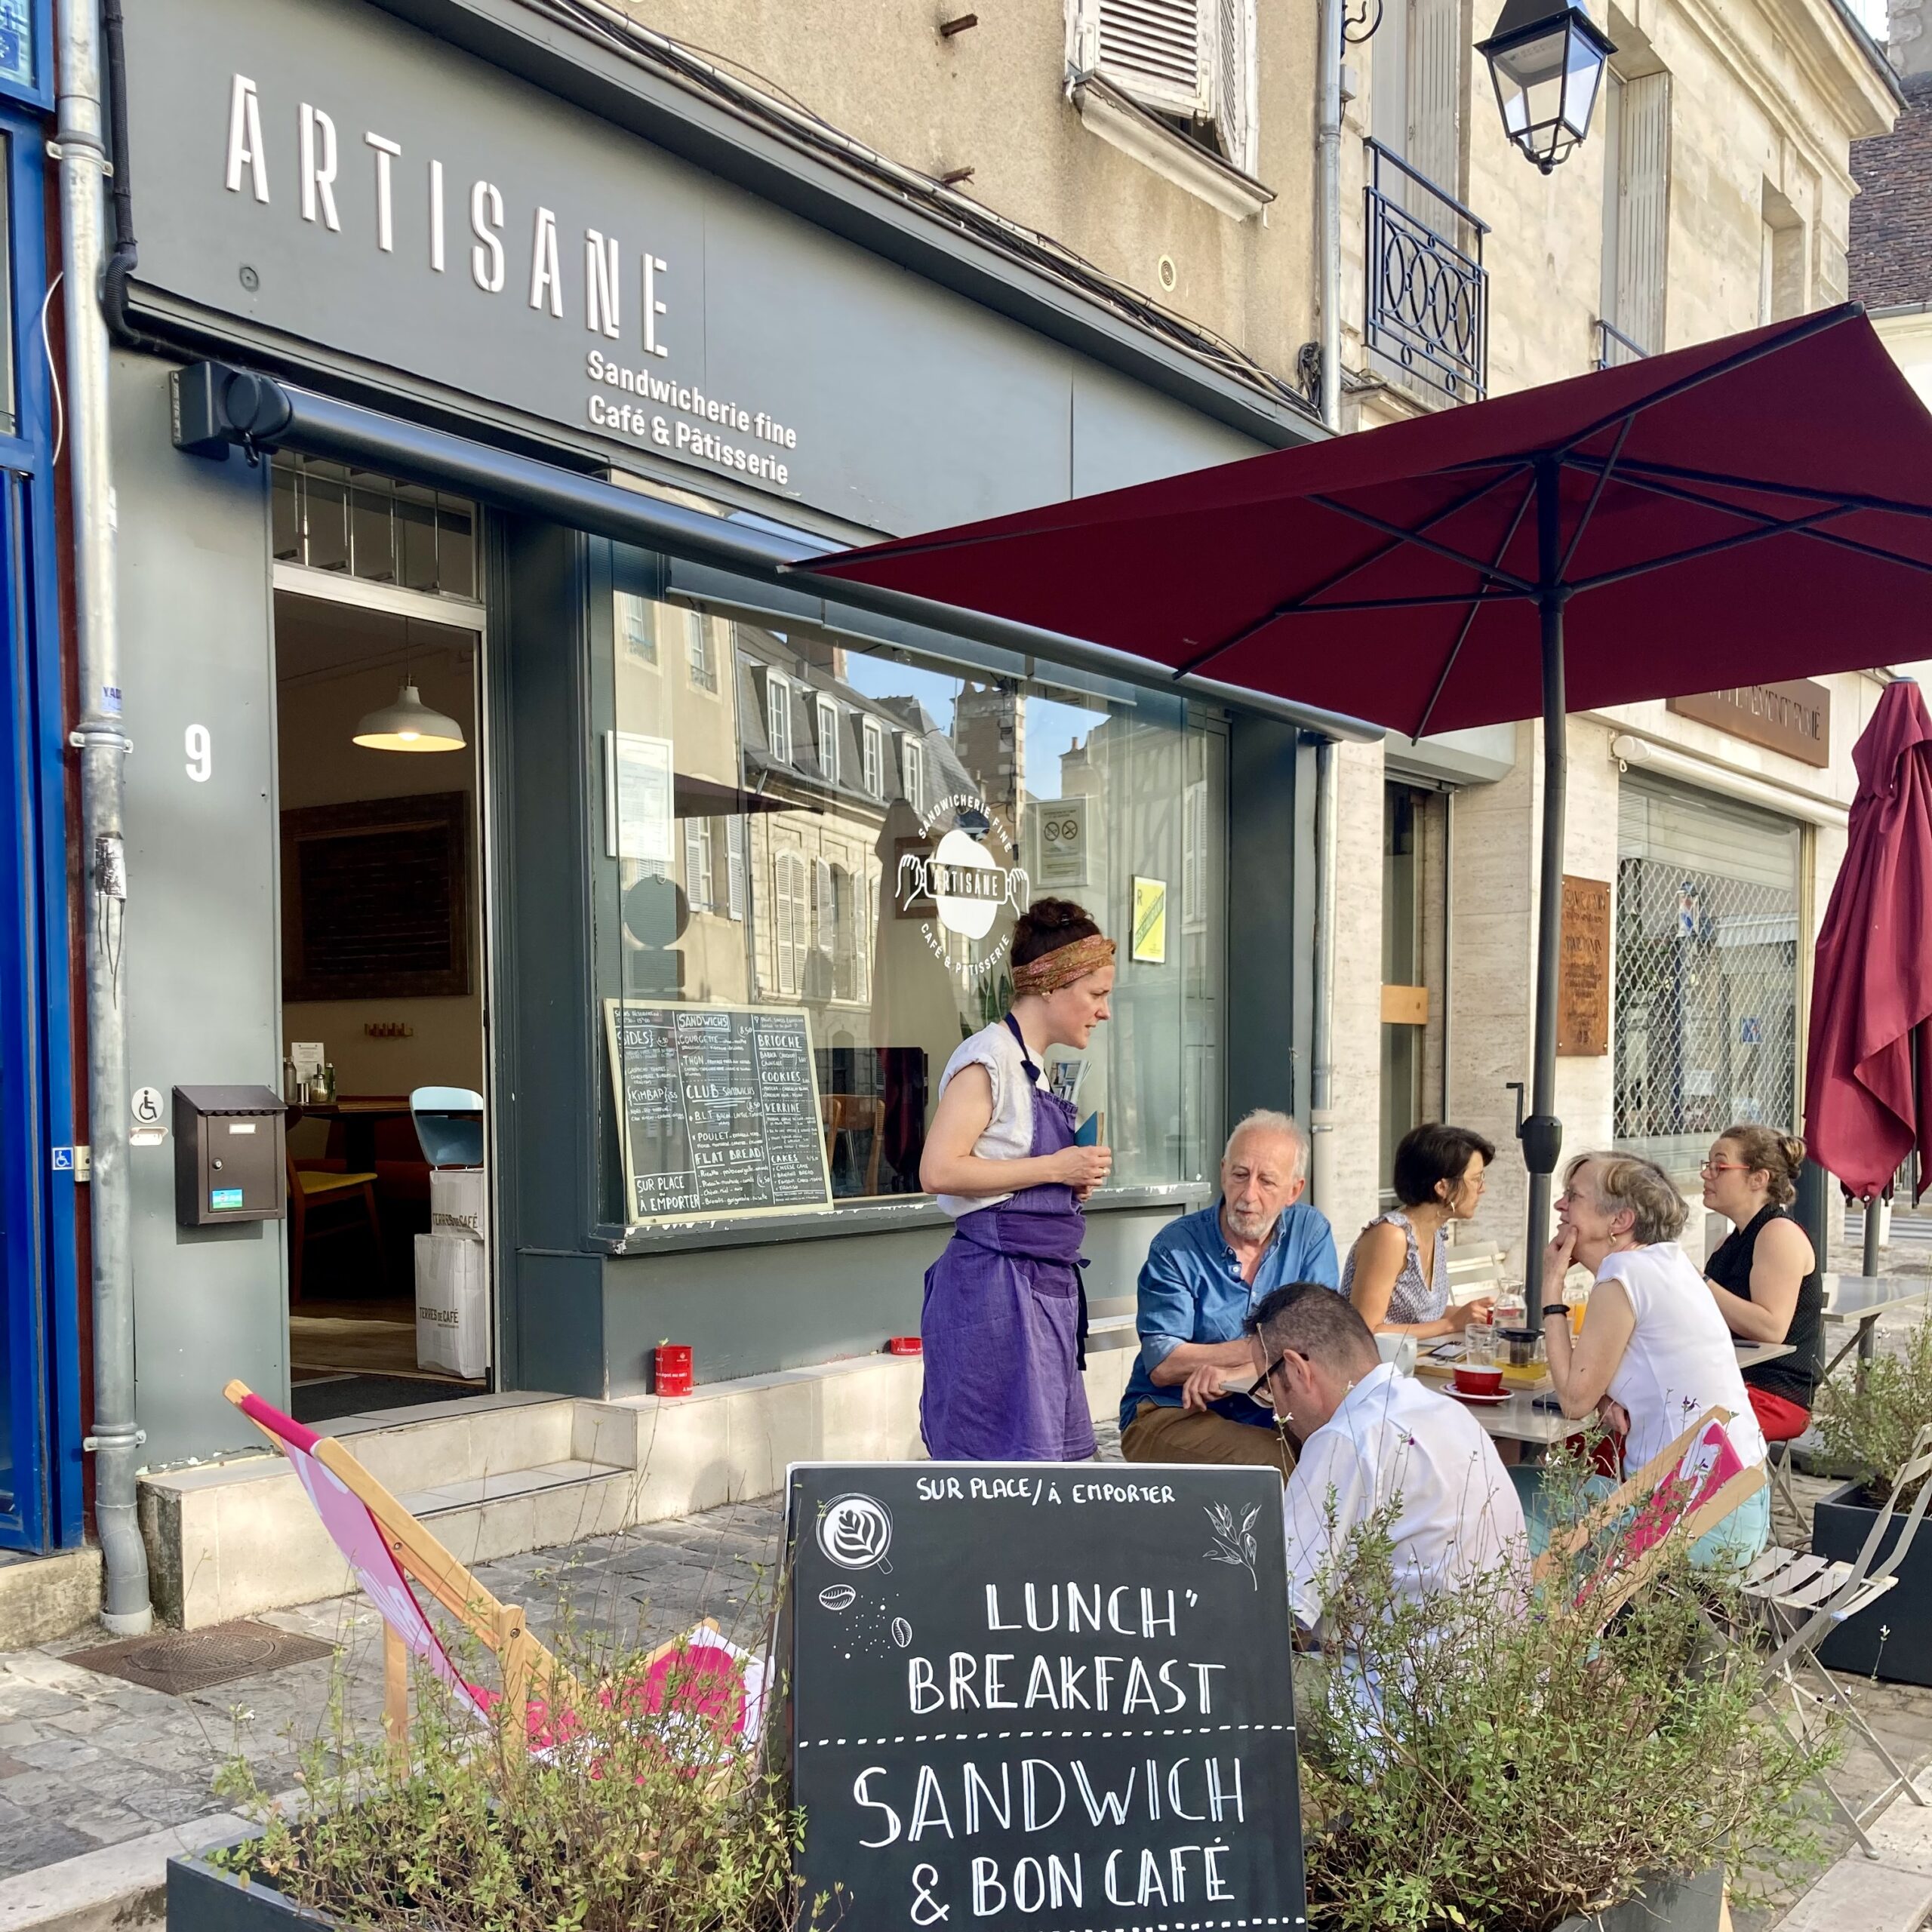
1063 965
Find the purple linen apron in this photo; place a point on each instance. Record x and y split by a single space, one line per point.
1003 1328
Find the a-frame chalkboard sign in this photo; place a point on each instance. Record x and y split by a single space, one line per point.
1049 1696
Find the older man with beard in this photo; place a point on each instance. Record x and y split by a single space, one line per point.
1204 1276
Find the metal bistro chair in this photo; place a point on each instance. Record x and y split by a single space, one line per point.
449 1125
1802 1598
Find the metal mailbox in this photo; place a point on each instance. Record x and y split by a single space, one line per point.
229 1161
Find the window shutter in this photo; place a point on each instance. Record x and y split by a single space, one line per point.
1235 82
1154 51
825 907
1435 83
1644 151
697 893
734 867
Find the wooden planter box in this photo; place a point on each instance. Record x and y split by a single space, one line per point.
200 1898
1893 1639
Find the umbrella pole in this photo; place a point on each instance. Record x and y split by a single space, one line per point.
1541 1133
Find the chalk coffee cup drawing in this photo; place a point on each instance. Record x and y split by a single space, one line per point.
855 1532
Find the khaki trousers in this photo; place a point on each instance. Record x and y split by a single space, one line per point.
1162 1434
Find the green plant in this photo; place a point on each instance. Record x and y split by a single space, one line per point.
1868 1422
1472 1759
642 1821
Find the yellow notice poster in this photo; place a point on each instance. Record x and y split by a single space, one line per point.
1150 921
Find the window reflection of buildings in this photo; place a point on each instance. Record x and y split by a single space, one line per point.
816 845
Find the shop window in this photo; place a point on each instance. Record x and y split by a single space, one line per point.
808 889
354 523
1705 986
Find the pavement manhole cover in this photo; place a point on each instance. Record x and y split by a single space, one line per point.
179 1661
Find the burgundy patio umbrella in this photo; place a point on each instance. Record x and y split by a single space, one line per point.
1866 1088
1750 509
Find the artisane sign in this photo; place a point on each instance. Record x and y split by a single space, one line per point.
1046 1695
666 413
962 879
321 177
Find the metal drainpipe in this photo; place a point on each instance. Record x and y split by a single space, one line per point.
1322 1084
102 745
1328 173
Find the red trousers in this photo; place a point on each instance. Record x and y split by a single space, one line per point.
1780 1418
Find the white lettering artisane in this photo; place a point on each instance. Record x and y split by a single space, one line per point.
486 220
318 166
245 170
245 139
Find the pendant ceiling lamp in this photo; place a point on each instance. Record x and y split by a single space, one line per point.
409 726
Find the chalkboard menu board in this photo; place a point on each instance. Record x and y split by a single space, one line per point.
1048 1695
719 1110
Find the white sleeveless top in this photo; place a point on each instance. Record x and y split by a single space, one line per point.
1680 1361
1009 1134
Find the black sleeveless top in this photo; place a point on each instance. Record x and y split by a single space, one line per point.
1793 1376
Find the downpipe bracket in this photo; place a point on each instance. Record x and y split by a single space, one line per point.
114 1439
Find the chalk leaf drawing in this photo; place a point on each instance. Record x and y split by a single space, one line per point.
1233 1543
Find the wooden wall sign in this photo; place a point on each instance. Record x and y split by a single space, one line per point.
1794 717
1583 1002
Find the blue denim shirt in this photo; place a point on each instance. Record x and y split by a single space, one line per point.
1191 1291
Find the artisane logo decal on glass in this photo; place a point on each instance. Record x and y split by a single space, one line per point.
967 879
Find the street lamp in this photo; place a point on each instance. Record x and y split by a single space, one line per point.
1547 62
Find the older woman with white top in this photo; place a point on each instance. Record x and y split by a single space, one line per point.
1654 1353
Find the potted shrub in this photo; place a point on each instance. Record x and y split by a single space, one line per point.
1474 1760
631 1819
1871 1429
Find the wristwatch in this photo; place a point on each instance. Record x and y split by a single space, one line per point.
1561 1308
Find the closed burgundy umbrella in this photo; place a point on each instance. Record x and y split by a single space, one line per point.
1750 509
1866 1089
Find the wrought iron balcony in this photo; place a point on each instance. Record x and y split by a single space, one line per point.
1427 309
1614 348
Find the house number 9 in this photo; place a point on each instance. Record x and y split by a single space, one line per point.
200 748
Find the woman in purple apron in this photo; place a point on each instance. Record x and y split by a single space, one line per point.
1005 1325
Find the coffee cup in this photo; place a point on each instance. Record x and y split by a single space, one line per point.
1471 1380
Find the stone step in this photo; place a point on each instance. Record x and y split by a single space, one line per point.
44 1597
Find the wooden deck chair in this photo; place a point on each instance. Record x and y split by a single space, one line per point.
702 1673
386 1547
1681 1493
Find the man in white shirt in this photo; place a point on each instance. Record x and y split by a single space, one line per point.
1371 1439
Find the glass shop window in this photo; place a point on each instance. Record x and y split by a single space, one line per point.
828 851
329 517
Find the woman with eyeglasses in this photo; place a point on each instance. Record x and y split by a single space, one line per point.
1764 1277
1398 1272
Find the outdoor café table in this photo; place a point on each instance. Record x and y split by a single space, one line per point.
1863 1299
1535 1419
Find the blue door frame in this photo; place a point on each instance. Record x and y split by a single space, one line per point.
40 1500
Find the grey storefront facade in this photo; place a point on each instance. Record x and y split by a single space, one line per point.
565 337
